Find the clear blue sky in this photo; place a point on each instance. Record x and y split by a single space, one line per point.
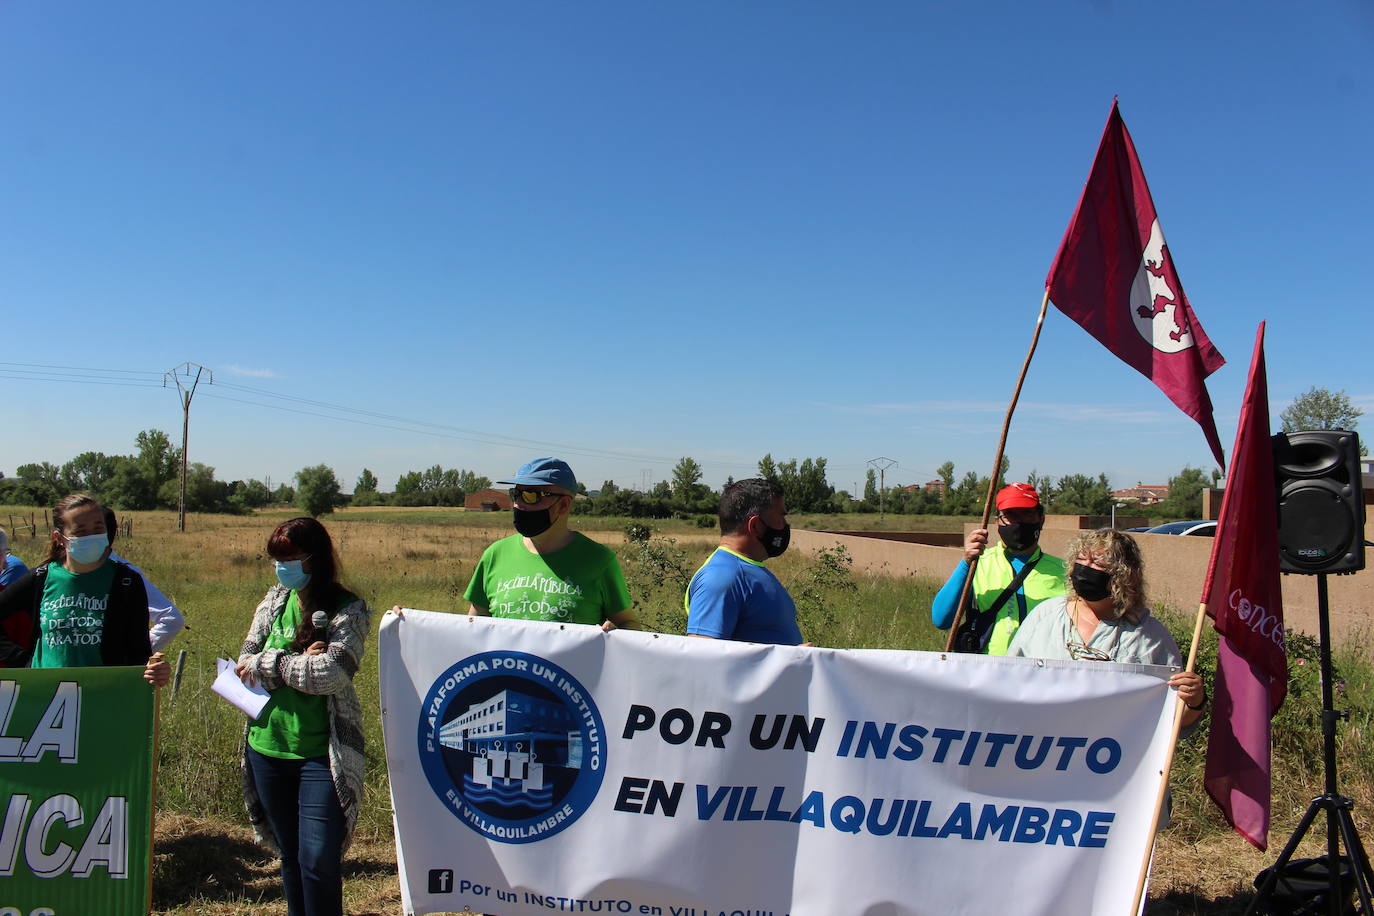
628 232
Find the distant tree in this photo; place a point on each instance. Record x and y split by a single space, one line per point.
471 482
365 490
1079 494
767 469
408 490
608 488
42 481
203 492
252 495
317 490
88 472
1044 485
284 495
966 498
946 473
132 486
871 487
813 491
1185 495
687 486
662 490
1320 408
159 459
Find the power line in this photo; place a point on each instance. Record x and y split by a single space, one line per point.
148 372
486 438
129 378
81 381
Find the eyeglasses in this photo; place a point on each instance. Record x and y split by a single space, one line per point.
1081 653
531 497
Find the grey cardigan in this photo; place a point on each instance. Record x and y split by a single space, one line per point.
329 674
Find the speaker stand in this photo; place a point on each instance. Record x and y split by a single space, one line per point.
1340 824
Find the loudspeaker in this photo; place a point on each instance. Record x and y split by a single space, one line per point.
1321 501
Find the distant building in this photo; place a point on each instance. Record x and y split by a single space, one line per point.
487 501
1142 494
936 487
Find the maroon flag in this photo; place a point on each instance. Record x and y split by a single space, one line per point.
1243 597
1115 277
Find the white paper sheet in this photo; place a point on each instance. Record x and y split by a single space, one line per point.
227 684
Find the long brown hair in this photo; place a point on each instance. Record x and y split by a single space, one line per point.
324 593
57 541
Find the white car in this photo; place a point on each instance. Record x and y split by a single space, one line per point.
1201 529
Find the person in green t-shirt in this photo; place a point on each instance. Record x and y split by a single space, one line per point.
78 608
303 758
547 571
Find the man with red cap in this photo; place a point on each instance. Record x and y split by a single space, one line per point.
1011 578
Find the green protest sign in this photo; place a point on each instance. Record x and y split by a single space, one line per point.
76 772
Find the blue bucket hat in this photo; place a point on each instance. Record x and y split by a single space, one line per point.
544 472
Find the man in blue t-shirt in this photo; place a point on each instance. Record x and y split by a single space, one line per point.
732 595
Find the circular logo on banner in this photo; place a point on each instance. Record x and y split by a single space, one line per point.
512 745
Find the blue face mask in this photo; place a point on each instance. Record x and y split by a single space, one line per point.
290 574
87 549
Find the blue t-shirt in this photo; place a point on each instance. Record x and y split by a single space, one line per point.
733 597
11 570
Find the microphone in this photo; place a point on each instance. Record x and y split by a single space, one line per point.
320 621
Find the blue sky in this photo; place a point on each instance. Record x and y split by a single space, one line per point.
628 232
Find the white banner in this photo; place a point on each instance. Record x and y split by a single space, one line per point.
539 767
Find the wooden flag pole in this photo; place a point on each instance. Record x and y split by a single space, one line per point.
997 470
1168 764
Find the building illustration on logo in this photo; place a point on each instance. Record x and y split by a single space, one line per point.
512 744
513 737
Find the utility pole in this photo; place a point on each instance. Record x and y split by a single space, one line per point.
186 387
882 464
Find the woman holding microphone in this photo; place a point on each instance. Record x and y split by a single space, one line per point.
303 756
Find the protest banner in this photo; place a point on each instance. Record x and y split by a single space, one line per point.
539 767
76 771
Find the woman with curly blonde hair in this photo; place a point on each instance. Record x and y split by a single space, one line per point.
1104 616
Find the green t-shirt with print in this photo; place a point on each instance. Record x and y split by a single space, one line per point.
293 725
71 617
580 583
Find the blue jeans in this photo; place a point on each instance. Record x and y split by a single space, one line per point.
304 812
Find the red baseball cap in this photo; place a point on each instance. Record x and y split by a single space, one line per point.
1017 496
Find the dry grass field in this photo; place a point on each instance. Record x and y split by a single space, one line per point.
206 862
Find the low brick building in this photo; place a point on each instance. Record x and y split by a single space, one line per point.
491 500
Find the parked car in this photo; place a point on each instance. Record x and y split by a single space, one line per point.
1198 529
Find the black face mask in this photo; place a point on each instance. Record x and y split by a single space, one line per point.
775 540
1090 584
1020 536
532 522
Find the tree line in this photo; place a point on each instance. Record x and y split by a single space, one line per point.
149 478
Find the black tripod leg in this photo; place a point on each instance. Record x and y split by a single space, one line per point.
1359 861
1289 848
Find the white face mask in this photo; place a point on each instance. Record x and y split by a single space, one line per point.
88 548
